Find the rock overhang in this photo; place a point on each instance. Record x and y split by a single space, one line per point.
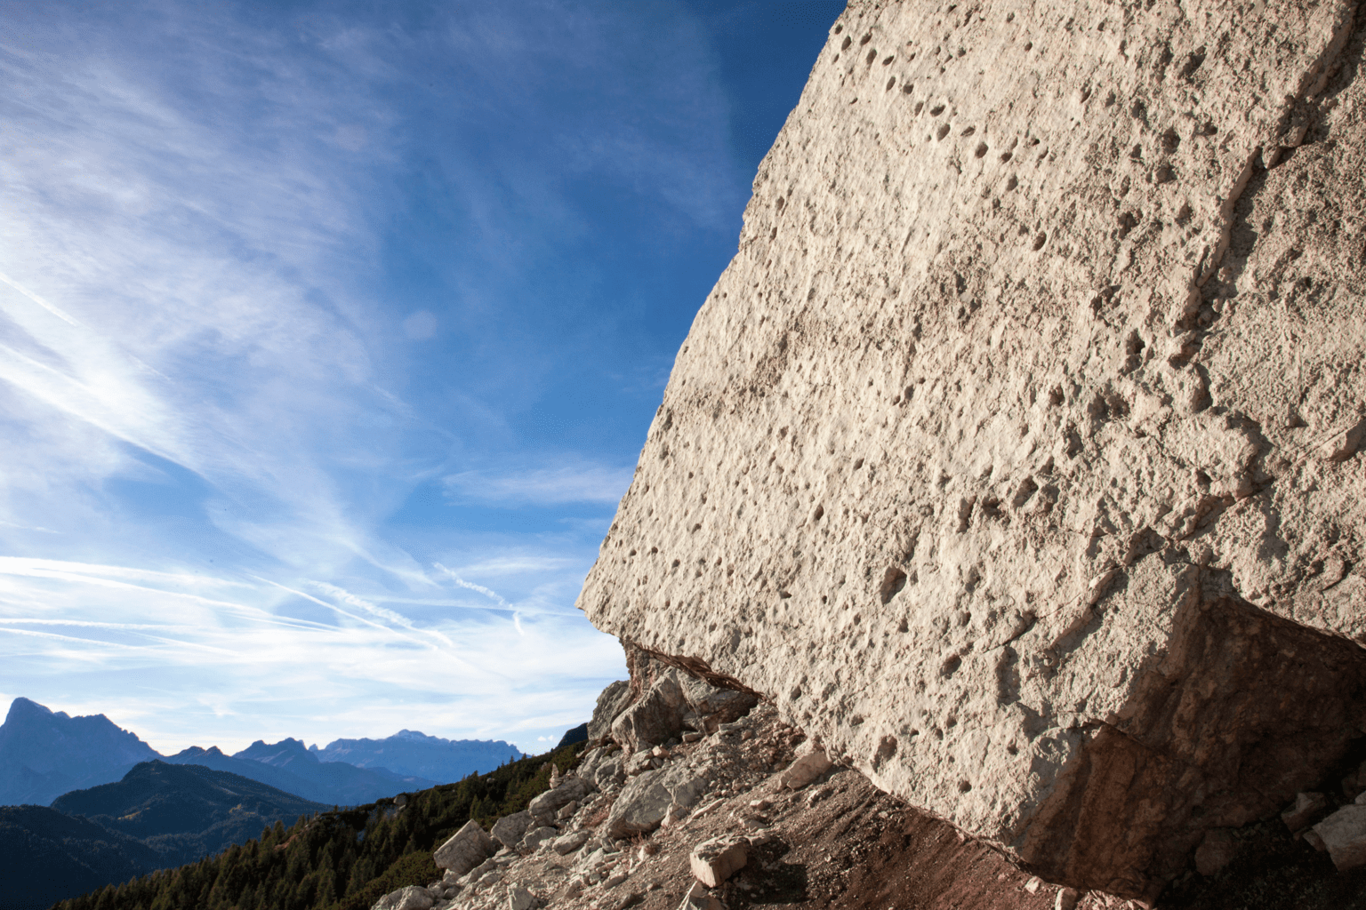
1038 371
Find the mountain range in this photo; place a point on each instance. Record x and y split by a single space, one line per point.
411 752
158 816
45 753
185 812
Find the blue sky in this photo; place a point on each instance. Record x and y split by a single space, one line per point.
330 334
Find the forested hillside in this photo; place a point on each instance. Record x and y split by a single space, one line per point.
338 860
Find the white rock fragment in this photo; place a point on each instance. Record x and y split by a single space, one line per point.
520 898
570 842
465 849
806 769
510 829
412 897
1306 808
1344 836
695 900
716 860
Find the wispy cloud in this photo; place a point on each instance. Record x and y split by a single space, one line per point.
265 271
279 666
541 486
471 586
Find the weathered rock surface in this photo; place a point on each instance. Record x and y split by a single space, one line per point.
412 897
611 702
510 829
1015 455
640 807
655 718
571 789
717 859
806 769
1343 835
465 849
837 843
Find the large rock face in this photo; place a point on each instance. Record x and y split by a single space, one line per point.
1015 454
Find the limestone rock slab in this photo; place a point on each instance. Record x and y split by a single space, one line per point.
716 860
413 897
465 849
1016 454
1343 835
546 805
805 769
611 702
640 807
510 829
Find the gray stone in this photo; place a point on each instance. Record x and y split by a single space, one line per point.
714 861
806 769
1344 835
571 789
412 897
714 702
520 898
610 773
640 807
656 718
570 842
465 849
483 870
690 791
536 836
510 829
644 760
1307 808
611 702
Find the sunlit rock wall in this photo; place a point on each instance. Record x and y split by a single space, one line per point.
1015 454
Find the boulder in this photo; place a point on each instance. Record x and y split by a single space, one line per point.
571 789
537 836
805 769
570 842
1343 834
510 829
1305 811
610 773
655 718
1024 429
412 897
611 702
714 703
520 898
714 861
685 785
640 807
465 849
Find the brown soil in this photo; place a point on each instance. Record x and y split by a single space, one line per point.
856 847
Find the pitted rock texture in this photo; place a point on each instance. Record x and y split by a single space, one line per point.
1015 455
